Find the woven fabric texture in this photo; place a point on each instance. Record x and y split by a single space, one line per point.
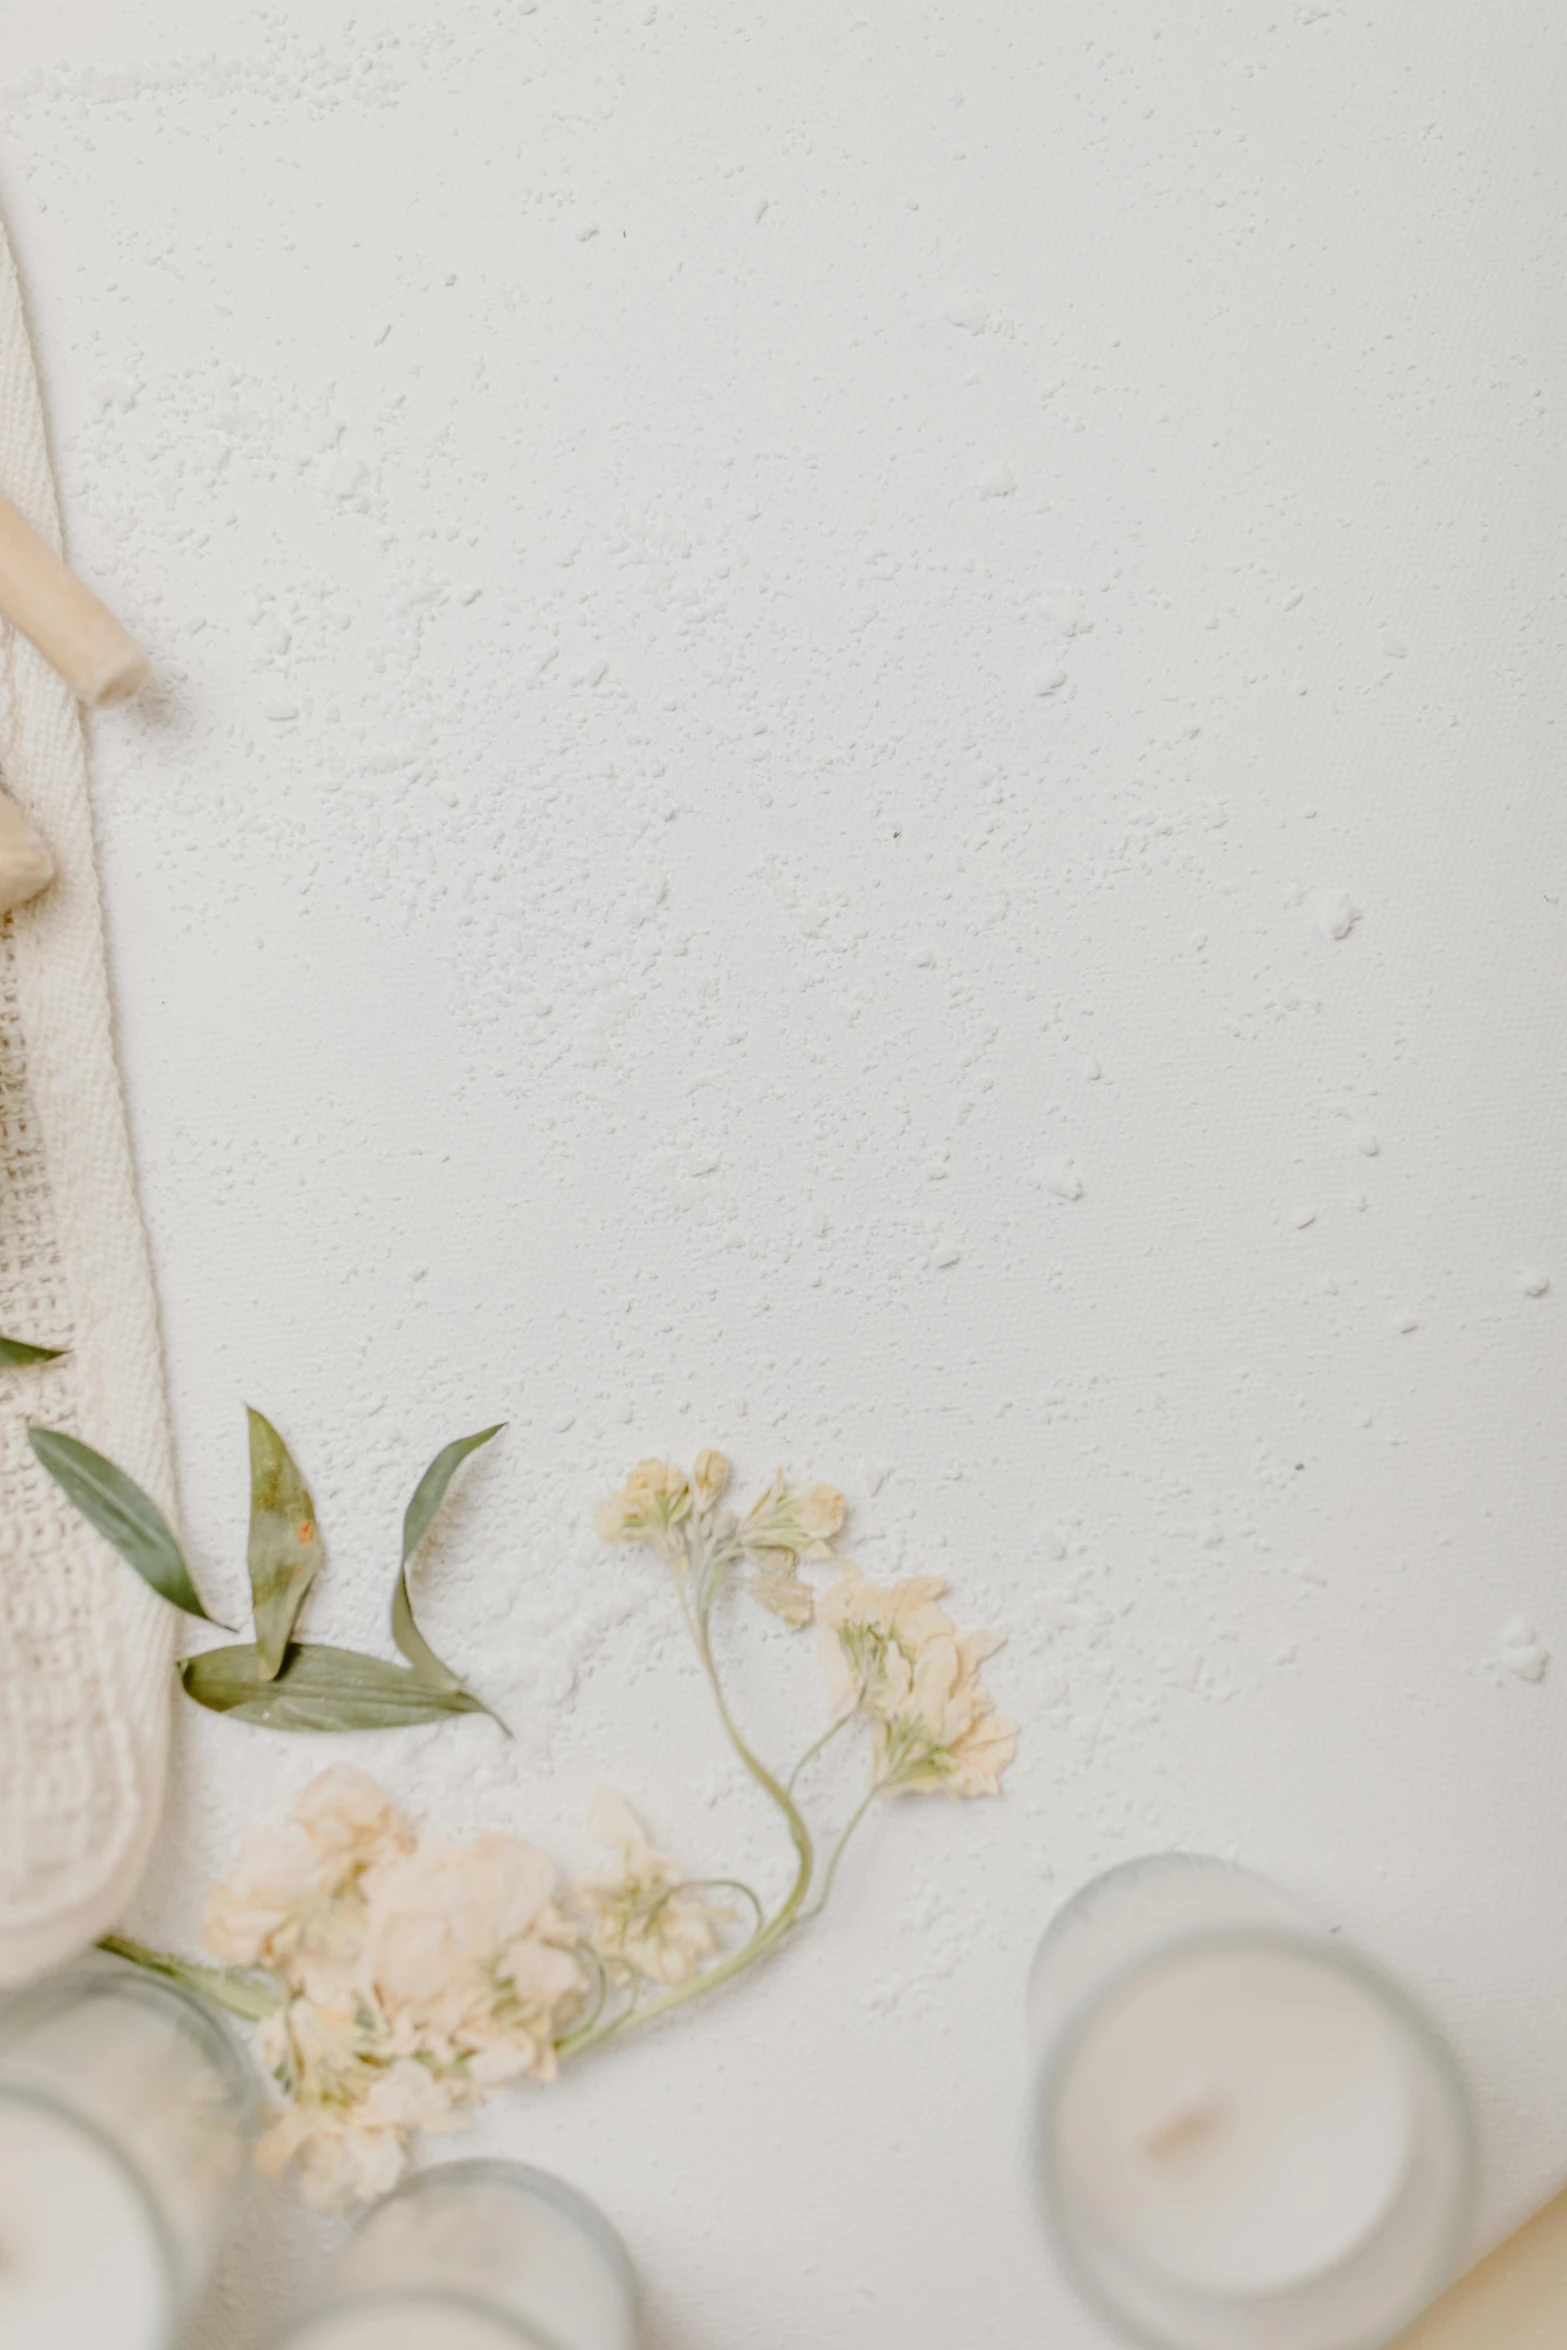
85 1649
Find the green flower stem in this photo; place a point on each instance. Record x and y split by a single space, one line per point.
767 1935
252 1997
840 1848
816 1747
710 1885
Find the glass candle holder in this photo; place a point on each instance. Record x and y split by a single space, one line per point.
126 2114
477 2256
1246 2138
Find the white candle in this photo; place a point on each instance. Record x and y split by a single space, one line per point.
80 2265
437 2327
1240 2120
1247 2139
125 2112
478 2256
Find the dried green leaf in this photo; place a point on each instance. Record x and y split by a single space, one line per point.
318 1688
122 1513
285 1543
428 1496
16 1351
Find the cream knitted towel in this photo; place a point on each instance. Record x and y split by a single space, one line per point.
85 1649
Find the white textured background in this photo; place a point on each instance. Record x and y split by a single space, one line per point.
610 932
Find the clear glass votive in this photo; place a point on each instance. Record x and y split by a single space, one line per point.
126 2114
1246 2137
477 2256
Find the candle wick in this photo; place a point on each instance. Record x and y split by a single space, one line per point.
1193 2116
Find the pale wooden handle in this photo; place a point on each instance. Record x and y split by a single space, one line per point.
65 620
26 866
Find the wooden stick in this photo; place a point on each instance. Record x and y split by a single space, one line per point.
26 866
65 620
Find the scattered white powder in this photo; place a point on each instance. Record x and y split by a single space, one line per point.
1334 914
1520 1651
471 964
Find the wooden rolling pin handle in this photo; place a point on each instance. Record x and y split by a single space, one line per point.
65 620
26 866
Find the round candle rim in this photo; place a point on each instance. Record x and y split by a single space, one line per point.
395 2298
119 1981
1302 1942
517 2178
524 2178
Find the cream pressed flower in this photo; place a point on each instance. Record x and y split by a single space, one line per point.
776 1582
800 1520
650 1505
891 1653
709 1476
465 1946
293 1903
876 1632
352 2149
420 1979
820 1511
254 1918
344 1812
949 1736
644 1918
789 1523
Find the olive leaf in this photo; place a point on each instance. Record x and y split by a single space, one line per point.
285 1543
428 1496
122 1513
15 1351
318 1688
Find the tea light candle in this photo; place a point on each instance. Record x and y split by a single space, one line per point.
125 2113
478 2256
437 2326
1238 2119
80 2263
1248 2139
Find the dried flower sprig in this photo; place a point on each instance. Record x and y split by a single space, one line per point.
398 1983
276 1681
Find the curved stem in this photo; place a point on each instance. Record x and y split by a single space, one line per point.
838 1851
772 1930
817 1746
249 1996
601 1976
710 1885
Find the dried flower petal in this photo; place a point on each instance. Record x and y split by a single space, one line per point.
796 1519
345 1812
650 1505
644 1918
420 1978
890 1652
709 1476
776 1583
